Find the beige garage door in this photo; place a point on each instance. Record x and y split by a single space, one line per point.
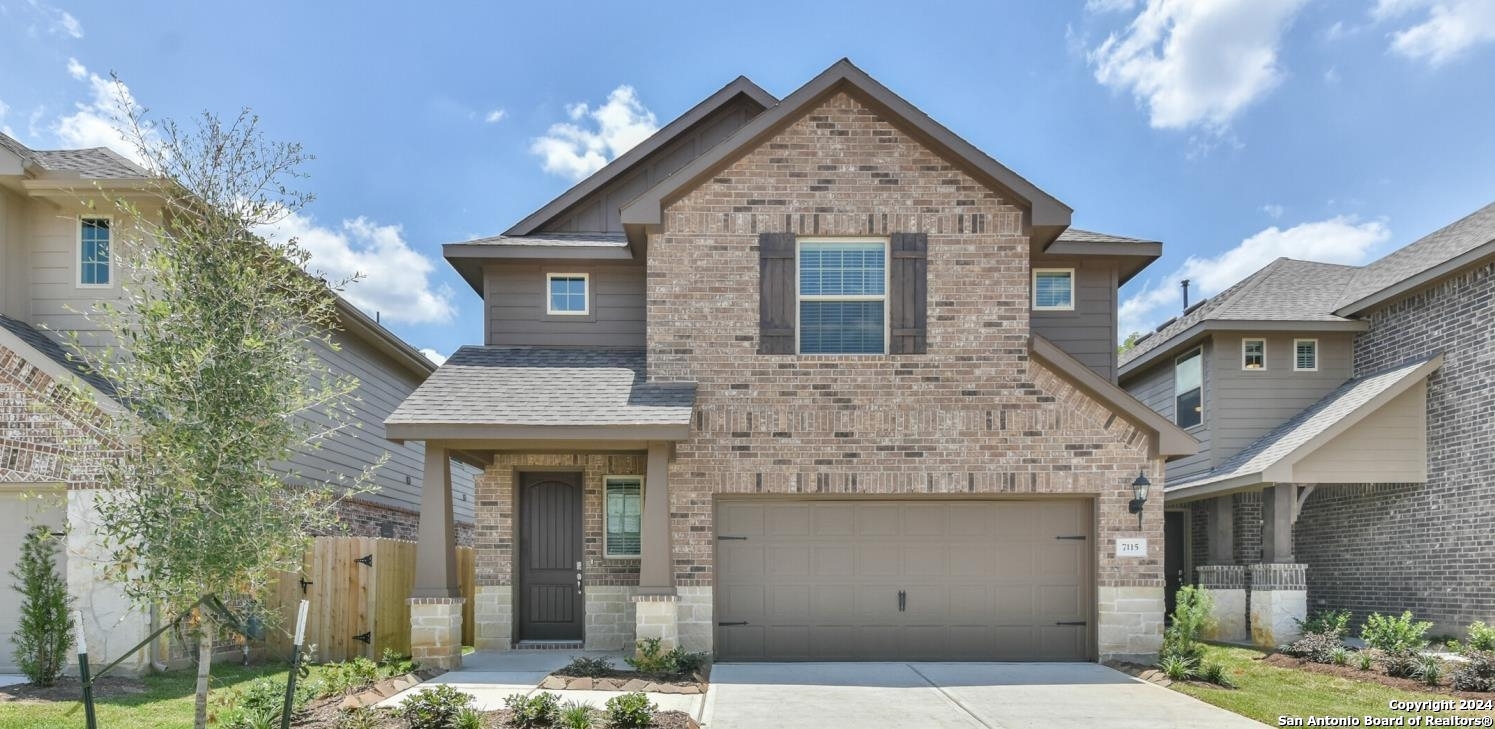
17 515
904 580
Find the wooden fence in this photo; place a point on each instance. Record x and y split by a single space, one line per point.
358 587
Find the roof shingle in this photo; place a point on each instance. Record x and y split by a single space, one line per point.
97 163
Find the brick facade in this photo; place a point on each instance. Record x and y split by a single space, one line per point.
41 421
367 519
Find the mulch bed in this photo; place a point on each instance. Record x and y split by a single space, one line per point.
325 714
68 689
1376 675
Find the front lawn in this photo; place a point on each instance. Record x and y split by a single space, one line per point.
164 702
1265 692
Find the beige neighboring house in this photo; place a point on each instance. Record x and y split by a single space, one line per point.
809 378
56 260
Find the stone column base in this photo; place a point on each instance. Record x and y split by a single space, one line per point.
1131 623
657 616
1279 598
1226 586
436 631
493 612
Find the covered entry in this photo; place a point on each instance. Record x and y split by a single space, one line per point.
929 579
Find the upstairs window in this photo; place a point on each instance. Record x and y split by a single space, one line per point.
625 508
1188 389
1253 354
843 297
94 266
566 293
1054 289
1306 355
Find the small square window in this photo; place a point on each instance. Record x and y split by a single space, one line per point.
566 293
1054 289
1253 354
93 252
1305 355
624 516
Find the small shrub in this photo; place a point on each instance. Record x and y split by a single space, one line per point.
350 676
1430 670
45 629
539 710
650 658
1481 637
1215 673
1177 668
1316 647
586 667
258 704
630 711
468 719
435 707
1364 660
577 716
363 717
1400 664
1475 674
1339 656
1395 634
393 663
1325 622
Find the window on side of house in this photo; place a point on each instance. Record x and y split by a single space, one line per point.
624 510
566 293
1188 389
94 265
1305 355
1253 354
843 297
1054 289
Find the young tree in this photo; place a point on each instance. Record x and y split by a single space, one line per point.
46 630
216 338
1127 344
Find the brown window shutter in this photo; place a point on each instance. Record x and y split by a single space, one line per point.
776 295
908 297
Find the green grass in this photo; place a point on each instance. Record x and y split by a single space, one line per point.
1265 692
165 704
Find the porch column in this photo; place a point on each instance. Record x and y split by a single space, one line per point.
436 603
656 606
1224 580
1222 530
1277 523
1279 586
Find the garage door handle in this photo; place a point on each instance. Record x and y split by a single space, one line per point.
733 622
902 600
1078 537
1070 622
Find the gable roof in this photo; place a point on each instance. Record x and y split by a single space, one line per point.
468 257
1351 402
54 353
1433 256
1287 294
1045 211
95 163
1135 253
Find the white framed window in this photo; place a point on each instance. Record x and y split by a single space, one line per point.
1188 389
568 294
842 288
94 251
1305 355
1054 289
1253 354
623 514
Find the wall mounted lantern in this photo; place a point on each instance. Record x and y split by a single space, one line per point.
1139 496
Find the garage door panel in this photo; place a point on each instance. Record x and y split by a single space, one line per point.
786 520
877 520
834 520
1058 642
973 519
1015 562
742 641
744 602
927 520
974 562
926 559
743 560
790 604
833 561
833 605
740 518
972 605
788 561
966 643
1016 604
1063 602
790 642
879 559
923 643
877 605
926 605
1017 520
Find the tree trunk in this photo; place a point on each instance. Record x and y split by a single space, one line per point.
204 666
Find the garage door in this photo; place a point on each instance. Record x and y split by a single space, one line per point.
17 515
903 580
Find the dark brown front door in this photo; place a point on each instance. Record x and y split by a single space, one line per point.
1173 557
550 606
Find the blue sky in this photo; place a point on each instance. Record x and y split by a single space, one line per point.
1234 131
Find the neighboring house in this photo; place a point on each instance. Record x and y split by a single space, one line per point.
798 379
1346 433
55 262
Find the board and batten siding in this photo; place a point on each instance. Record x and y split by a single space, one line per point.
1155 389
1250 403
515 299
1089 332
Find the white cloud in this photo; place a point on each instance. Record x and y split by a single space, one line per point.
434 356
1109 6
394 279
1341 239
68 25
495 116
1449 28
5 109
569 149
1273 210
1197 63
100 120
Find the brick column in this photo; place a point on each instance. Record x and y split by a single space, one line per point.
1279 598
658 616
436 631
1226 586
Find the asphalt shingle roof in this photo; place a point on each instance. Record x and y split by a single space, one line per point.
1089 236
97 163
1307 424
54 351
538 386
559 240
1451 241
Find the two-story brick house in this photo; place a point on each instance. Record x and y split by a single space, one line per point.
1343 415
799 378
59 248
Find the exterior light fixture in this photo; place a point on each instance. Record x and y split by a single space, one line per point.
1139 496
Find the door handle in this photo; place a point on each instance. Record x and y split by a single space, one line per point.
578 578
902 600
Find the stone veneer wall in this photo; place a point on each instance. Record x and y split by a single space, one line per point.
972 416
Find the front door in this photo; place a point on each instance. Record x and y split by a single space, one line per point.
1173 557
550 604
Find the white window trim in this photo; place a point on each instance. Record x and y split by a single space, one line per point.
586 286
642 492
1315 367
1202 409
1033 283
78 253
887 282
1263 367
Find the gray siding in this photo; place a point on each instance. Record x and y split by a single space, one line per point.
1251 403
1155 389
598 212
15 257
515 300
1089 332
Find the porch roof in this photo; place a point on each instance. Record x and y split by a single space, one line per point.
1272 457
556 393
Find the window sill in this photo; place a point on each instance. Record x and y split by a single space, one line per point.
622 558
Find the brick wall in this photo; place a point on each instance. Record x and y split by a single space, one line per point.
974 415
1247 528
42 421
368 519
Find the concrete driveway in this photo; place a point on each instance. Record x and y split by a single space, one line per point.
966 695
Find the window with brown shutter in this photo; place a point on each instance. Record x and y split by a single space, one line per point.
776 295
908 299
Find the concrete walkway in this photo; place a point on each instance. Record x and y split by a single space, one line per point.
968 695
